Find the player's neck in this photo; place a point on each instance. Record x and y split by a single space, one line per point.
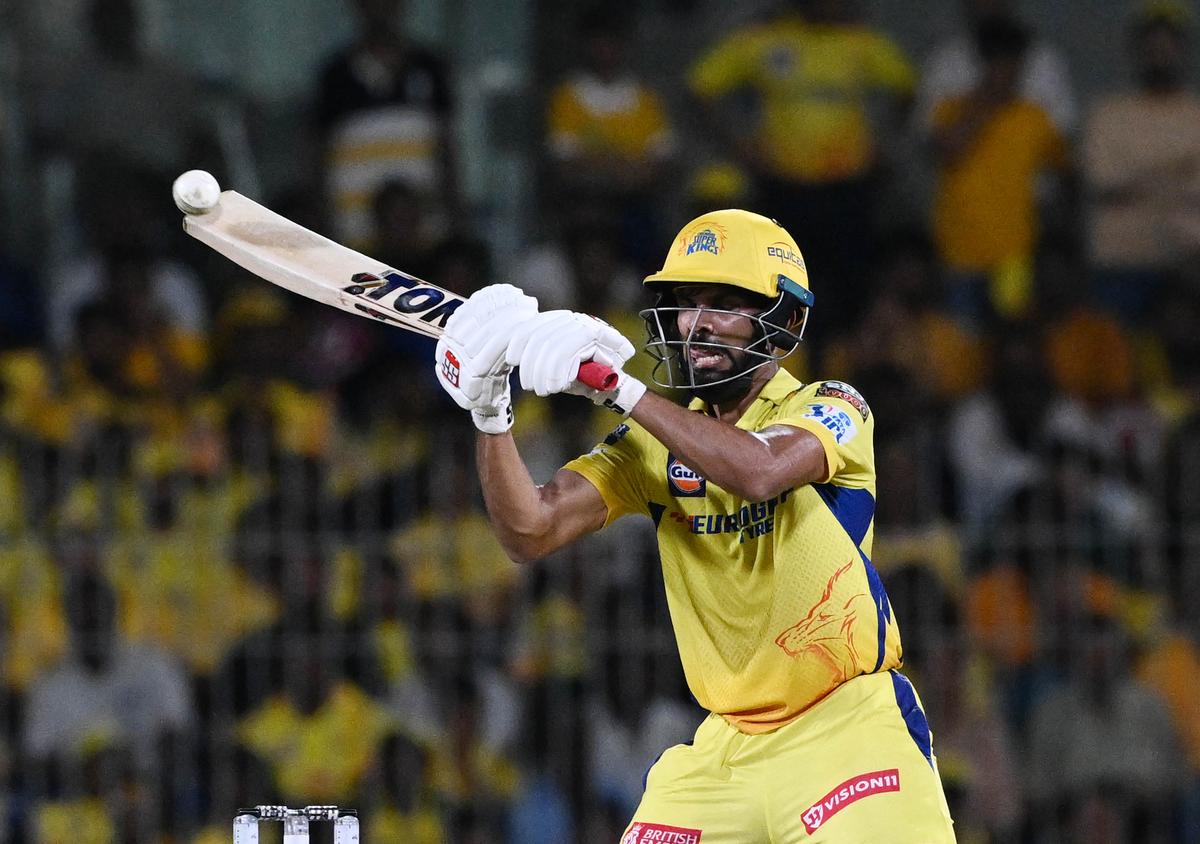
732 410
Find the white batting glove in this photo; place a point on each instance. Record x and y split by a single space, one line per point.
470 359
549 348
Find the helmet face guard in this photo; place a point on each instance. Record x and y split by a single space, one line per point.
773 338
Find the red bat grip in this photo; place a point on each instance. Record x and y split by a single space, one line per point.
597 375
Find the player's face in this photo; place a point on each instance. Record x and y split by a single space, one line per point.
720 315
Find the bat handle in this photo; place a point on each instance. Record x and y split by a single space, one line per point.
597 375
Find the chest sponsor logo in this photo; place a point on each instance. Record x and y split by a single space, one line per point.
835 419
851 791
654 833
840 390
750 522
683 481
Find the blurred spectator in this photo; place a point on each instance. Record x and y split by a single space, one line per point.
22 317
809 142
994 436
108 693
977 755
115 104
1103 729
472 782
124 264
717 184
450 558
909 529
581 268
403 235
636 715
1142 167
609 136
991 146
956 67
1169 666
320 735
384 112
904 326
305 688
405 811
34 624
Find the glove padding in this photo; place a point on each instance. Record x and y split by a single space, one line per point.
470 358
549 348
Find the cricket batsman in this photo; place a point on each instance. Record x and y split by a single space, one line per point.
762 491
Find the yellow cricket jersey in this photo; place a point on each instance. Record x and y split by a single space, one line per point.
814 82
774 603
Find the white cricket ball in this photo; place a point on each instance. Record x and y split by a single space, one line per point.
196 192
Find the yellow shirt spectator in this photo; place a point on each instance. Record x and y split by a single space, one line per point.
985 213
184 595
322 757
814 81
623 119
79 822
30 599
421 826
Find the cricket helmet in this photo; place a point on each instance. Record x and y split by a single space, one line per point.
738 249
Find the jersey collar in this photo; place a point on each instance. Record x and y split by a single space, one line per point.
781 385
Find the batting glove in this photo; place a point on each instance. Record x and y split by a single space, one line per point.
470 359
549 348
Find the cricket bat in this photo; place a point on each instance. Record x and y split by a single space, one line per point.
284 253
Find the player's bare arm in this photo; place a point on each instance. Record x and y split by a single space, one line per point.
533 521
484 339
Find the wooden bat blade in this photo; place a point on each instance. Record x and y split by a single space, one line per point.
297 259
285 253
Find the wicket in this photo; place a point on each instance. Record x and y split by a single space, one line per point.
295 823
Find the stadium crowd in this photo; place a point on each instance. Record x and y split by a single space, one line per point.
243 557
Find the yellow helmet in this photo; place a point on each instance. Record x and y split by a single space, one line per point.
739 249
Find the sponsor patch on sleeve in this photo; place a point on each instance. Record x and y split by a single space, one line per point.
843 391
838 421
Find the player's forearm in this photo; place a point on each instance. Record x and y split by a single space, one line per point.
738 461
519 516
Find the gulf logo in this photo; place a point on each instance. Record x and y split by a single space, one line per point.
684 483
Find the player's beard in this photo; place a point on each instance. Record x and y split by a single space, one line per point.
740 374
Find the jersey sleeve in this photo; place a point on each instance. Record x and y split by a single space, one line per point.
614 468
839 417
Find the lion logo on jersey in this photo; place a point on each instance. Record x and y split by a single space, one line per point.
633 836
826 633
